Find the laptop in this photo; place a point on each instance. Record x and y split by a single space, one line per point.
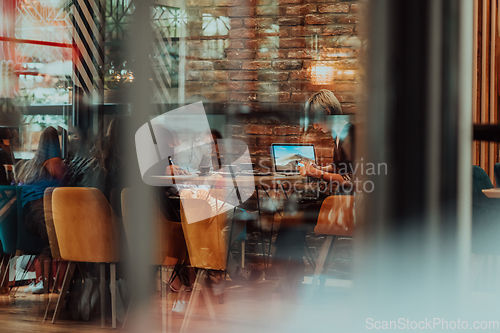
287 157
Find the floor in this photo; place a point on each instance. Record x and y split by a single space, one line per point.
248 308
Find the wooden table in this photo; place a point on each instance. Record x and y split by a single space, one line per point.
492 193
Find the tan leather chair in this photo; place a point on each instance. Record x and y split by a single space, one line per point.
87 230
207 247
335 219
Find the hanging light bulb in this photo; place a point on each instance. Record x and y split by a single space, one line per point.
321 73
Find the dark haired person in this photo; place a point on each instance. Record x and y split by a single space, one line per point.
5 155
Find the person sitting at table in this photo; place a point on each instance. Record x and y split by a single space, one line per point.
5 155
290 241
45 169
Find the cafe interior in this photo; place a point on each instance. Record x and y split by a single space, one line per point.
249 165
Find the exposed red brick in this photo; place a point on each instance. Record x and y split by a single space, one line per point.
236 44
300 97
324 152
274 54
241 11
299 75
193 76
354 8
287 130
268 32
293 139
266 11
215 97
227 86
259 129
242 33
196 86
301 9
240 54
251 86
319 19
235 129
266 140
227 64
343 87
281 97
292 43
214 75
259 151
337 64
236 23
251 44
258 22
349 108
287 64
229 3
337 30
193 64
347 19
306 30
291 20
334 8
285 31
273 76
299 54
346 98
243 76
243 97
199 3
257 64
214 11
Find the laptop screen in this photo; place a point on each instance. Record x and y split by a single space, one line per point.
288 156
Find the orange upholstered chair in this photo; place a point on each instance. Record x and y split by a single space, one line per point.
207 247
87 230
335 219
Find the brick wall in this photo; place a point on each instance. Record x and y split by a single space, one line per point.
264 60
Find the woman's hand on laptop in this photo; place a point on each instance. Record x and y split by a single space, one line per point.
310 170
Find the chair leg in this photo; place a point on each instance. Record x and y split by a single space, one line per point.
206 297
53 291
243 254
112 287
192 300
163 301
102 268
7 267
67 279
320 263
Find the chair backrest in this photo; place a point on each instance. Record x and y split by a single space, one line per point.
8 218
169 246
49 223
480 182
336 216
86 227
496 170
205 239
